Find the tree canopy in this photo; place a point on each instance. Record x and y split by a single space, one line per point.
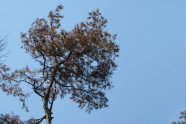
79 62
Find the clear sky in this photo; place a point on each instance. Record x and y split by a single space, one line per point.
150 79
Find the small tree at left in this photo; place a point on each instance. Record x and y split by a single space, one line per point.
9 87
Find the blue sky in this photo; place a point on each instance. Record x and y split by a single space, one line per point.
150 79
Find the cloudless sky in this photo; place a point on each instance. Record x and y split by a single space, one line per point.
150 81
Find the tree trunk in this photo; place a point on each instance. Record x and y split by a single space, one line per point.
47 113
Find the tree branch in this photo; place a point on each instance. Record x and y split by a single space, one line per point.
41 119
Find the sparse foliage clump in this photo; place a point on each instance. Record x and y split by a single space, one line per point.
14 119
10 119
79 62
183 116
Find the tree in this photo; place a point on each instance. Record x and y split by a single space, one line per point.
183 115
79 62
9 88
7 84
